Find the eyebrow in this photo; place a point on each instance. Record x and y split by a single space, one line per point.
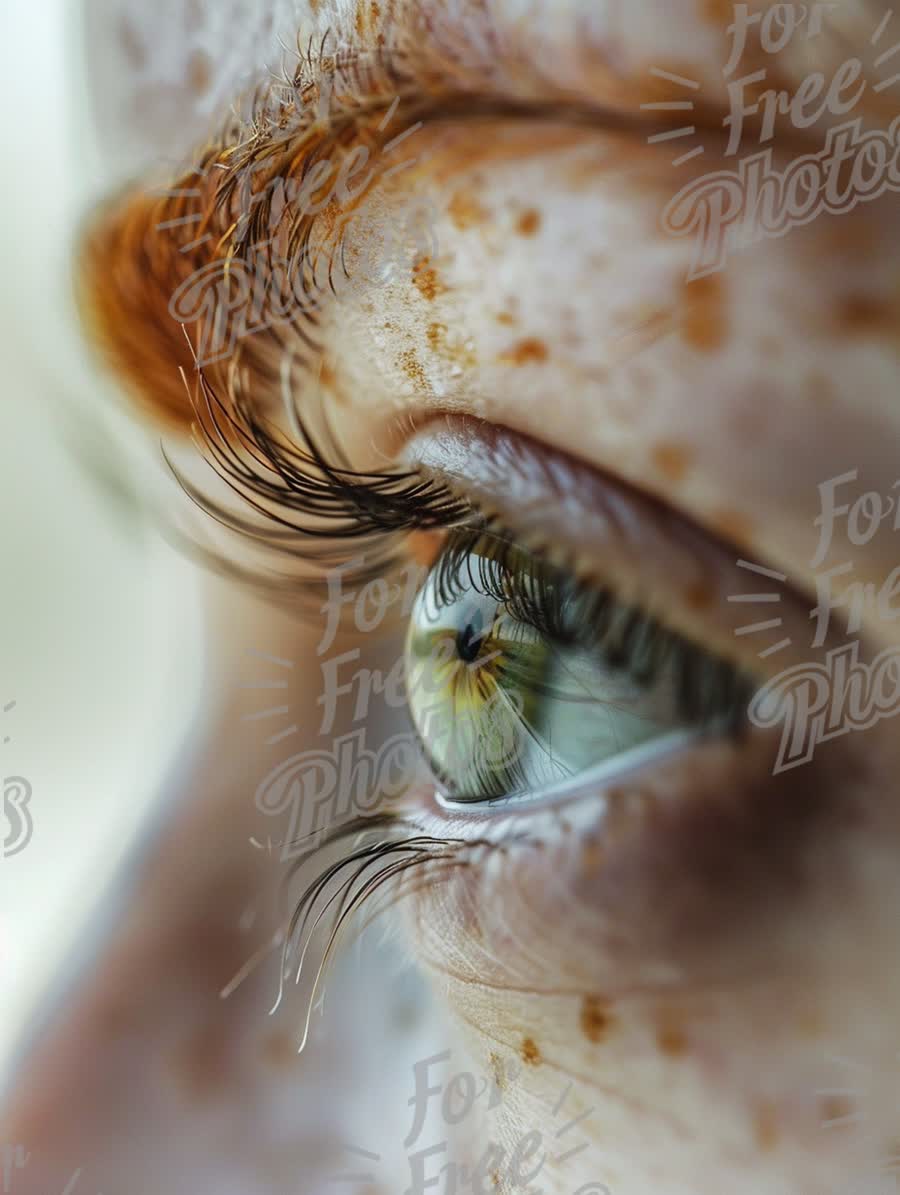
162 270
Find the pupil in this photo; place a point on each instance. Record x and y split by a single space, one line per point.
470 638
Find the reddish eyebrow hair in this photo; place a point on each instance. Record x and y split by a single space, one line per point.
143 251
140 248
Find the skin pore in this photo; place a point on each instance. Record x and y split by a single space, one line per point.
697 947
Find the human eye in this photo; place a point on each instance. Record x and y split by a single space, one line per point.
570 634
521 679
572 445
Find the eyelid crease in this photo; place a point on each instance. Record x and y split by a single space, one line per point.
605 533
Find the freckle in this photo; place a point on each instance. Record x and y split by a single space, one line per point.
375 10
866 315
529 351
437 334
327 375
671 1038
596 1020
718 12
530 1052
528 222
734 525
703 321
765 1127
199 72
465 210
673 460
506 318
411 366
426 280
699 595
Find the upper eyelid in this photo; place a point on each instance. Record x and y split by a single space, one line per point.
608 534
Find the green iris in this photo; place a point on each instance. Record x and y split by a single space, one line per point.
519 678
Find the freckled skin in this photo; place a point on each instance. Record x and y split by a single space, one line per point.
596 1019
531 1055
742 932
427 280
674 460
704 323
530 351
528 223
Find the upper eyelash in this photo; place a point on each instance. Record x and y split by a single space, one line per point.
283 482
631 639
311 506
355 510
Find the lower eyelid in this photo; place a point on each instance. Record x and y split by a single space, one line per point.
669 875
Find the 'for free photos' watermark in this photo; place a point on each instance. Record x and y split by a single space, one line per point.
819 700
16 823
320 788
14 1159
730 209
230 298
462 1108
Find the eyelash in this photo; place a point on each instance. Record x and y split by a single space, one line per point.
315 509
355 510
629 638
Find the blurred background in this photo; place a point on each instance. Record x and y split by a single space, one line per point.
100 646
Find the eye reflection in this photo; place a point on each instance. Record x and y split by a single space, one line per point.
520 677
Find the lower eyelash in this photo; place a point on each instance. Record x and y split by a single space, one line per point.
393 858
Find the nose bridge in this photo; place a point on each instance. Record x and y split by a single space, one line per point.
139 1076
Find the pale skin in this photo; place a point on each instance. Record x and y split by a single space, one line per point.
710 951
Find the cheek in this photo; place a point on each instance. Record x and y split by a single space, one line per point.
716 976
